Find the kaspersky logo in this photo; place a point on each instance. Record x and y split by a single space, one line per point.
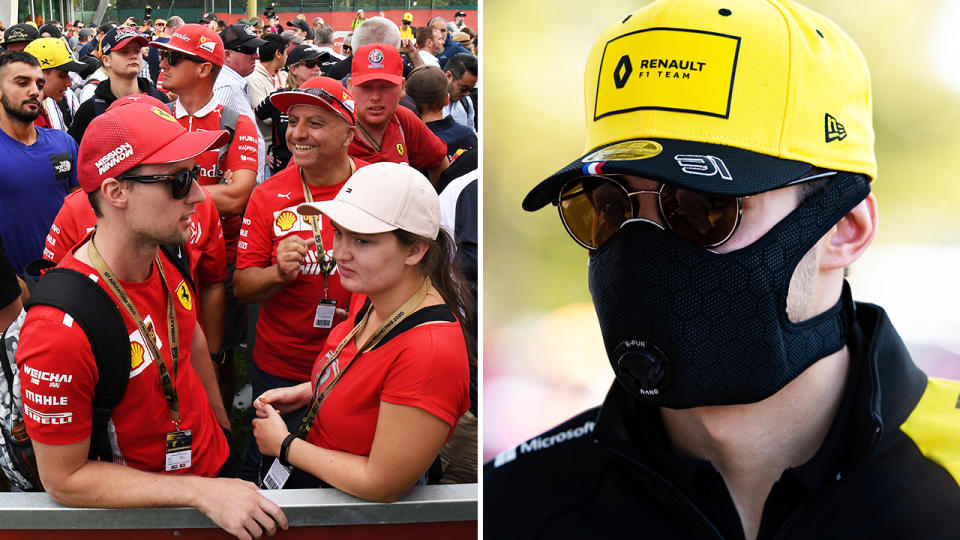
541 443
833 129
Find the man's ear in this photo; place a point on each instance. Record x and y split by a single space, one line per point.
851 236
113 193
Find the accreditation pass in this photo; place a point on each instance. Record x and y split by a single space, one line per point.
277 475
178 450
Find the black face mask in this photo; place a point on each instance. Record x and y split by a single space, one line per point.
686 327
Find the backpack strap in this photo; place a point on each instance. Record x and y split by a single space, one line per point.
436 313
5 362
228 121
94 310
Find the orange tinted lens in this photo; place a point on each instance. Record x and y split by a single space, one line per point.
701 219
593 208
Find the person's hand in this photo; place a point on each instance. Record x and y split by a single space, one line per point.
236 507
269 429
407 47
227 177
290 254
285 399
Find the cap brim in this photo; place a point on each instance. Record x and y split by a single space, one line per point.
72 66
702 167
284 100
347 216
188 145
252 41
357 80
120 44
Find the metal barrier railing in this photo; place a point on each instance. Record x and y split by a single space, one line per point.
453 508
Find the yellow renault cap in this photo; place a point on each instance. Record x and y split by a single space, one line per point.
731 97
53 53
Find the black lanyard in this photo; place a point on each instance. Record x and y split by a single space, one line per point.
169 390
326 262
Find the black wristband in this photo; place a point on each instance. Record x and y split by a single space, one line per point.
285 449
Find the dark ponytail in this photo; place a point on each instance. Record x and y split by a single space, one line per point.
440 265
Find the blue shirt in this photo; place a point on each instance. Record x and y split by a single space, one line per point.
34 180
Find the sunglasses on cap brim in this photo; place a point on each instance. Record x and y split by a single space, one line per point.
593 208
180 181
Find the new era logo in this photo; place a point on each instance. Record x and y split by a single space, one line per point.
833 129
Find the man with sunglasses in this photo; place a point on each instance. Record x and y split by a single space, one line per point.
462 71
280 263
191 61
723 192
139 177
240 45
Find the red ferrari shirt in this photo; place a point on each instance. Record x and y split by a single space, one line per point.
58 374
241 154
287 341
425 367
407 140
208 259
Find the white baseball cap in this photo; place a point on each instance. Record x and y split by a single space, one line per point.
383 197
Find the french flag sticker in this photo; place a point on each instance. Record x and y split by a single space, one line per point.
593 168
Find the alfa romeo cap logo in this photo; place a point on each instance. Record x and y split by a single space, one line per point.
375 56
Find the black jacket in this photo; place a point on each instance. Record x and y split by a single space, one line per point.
102 98
878 474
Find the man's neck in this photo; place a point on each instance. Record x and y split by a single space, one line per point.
751 445
194 101
129 259
327 175
373 135
431 116
122 87
25 132
272 66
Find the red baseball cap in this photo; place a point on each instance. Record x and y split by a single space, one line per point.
137 134
195 40
320 92
376 62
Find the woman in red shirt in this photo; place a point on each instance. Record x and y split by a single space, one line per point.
390 385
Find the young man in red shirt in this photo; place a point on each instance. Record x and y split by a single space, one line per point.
139 174
386 132
205 249
191 62
279 261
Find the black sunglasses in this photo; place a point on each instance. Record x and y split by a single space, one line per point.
310 63
244 50
593 208
180 181
174 57
346 48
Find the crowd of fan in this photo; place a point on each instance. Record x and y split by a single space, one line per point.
407 95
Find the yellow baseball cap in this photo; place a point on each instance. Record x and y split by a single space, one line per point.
53 53
732 100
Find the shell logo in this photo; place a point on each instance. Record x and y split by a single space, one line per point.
286 220
136 355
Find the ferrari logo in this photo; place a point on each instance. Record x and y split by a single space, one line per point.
183 294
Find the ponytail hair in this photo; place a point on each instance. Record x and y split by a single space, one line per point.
440 265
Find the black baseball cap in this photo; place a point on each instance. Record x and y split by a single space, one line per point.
240 36
301 53
208 18
20 33
299 23
50 29
460 14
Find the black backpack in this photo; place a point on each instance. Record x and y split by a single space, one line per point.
94 310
